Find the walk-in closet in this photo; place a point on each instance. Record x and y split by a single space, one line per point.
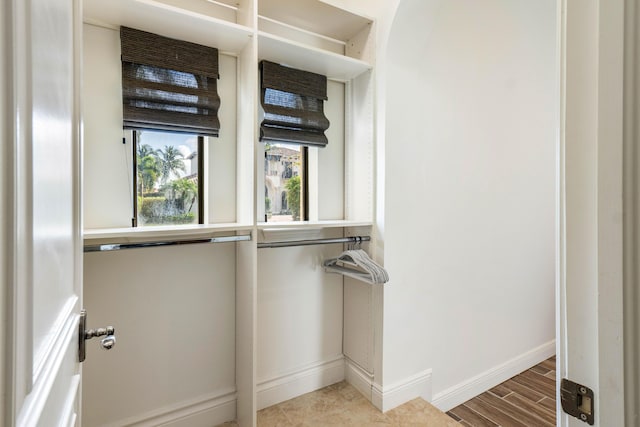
239 310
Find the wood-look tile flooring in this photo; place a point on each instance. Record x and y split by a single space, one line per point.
526 400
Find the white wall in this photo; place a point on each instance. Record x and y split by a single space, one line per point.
107 184
330 169
299 319
174 314
469 189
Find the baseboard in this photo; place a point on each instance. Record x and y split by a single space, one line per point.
388 397
205 411
305 380
360 379
460 393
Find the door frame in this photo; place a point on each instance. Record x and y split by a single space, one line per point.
631 197
595 65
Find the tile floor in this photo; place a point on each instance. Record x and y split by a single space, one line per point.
528 399
342 405
525 400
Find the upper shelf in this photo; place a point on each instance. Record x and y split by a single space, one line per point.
195 21
308 58
315 16
315 36
307 34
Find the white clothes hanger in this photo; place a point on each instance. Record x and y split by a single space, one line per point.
365 269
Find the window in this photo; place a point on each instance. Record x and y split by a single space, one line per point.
293 105
284 173
170 102
168 178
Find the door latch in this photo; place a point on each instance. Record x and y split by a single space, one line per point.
107 343
577 400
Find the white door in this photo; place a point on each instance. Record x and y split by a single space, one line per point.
590 221
43 242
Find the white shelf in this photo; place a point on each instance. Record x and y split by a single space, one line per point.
169 21
311 225
315 16
297 230
149 234
286 52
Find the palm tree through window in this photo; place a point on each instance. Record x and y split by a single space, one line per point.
168 178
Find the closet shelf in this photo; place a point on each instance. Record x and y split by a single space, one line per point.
320 17
297 55
148 234
311 225
162 17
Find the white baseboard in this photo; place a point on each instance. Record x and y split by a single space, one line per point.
358 378
305 380
460 393
205 411
388 397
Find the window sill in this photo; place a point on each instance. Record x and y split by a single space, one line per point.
151 234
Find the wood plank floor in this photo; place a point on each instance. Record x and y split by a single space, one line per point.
526 400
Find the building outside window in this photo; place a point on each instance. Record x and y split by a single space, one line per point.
283 182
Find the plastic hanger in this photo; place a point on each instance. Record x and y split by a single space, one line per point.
365 269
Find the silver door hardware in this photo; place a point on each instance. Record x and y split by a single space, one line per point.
577 400
106 343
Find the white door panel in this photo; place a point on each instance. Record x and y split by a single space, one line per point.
53 396
62 405
52 125
43 146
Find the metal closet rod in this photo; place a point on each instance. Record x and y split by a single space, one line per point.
353 239
120 246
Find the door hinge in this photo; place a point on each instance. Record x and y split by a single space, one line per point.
577 400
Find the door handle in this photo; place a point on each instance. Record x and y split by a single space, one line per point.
107 343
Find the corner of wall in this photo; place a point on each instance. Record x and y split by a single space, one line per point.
388 397
359 378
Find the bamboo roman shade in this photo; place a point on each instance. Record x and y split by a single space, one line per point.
293 103
168 84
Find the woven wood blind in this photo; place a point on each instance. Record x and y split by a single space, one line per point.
168 84
293 103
